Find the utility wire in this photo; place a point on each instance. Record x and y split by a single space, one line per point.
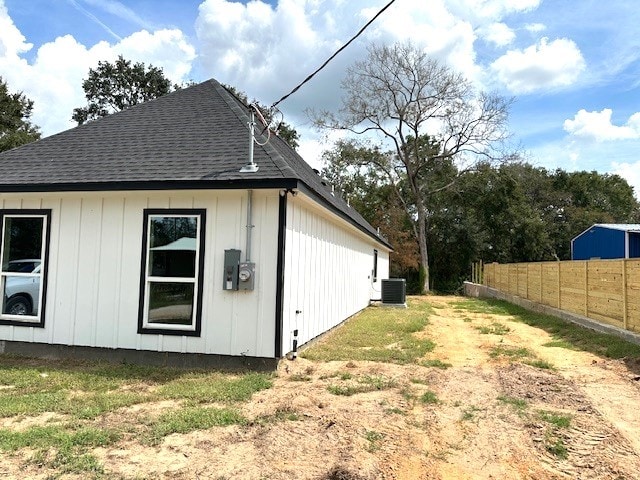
334 55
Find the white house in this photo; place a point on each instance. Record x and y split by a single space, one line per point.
137 237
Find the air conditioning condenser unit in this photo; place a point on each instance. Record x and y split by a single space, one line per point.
394 292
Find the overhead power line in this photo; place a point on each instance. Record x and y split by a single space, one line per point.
334 55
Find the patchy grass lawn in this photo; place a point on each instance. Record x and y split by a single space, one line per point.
62 410
378 334
81 394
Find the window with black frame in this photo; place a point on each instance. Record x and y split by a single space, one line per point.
171 287
23 265
375 265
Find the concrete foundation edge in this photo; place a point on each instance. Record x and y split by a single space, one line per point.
482 291
138 357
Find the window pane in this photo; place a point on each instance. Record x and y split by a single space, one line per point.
173 247
21 295
375 265
22 253
171 303
22 243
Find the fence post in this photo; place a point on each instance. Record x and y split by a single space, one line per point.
625 315
541 285
586 288
559 293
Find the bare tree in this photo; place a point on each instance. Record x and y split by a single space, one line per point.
427 113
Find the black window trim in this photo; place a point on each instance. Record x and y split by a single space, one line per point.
375 265
147 212
46 213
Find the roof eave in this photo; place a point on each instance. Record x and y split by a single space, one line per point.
344 215
242 183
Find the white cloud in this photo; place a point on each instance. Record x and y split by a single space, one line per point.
265 50
598 126
432 26
256 48
498 33
542 66
53 80
168 49
12 42
535 27
478 10
630 172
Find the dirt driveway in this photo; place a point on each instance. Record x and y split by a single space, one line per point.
494 402
512 433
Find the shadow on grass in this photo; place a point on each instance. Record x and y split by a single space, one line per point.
105 370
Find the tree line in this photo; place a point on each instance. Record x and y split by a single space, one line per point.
508 212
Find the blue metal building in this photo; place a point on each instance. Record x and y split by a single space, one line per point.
607 240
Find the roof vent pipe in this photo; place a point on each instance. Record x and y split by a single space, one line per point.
251 167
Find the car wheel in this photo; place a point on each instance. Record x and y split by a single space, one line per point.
18 305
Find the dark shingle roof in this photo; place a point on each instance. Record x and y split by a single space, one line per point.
196 137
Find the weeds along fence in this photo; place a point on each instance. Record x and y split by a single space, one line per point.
604 290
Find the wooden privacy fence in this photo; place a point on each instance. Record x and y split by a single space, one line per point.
604 290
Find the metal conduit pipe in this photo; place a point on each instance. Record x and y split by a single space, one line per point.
249 223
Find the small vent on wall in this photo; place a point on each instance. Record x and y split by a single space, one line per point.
394 292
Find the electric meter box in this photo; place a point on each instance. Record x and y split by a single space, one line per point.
231 264
246 275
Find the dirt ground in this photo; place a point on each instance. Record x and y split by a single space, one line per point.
489 418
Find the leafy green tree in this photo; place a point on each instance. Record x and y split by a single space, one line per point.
509 225
15 112
525 213
587 198
399 93
112 87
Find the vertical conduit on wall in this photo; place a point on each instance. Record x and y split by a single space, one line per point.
249 224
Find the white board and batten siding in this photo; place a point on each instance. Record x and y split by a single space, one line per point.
328 270
94 271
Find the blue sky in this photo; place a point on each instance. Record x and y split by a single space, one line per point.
572 66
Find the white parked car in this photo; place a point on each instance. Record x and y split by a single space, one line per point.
22 293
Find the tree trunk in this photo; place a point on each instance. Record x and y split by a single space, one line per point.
422 244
